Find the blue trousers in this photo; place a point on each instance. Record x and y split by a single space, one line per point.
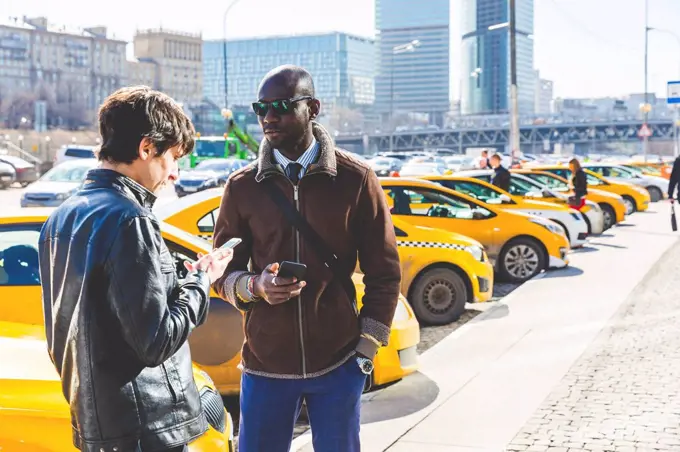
270 407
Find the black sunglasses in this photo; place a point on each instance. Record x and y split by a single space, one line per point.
280 107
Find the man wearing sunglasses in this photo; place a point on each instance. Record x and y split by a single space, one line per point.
305 340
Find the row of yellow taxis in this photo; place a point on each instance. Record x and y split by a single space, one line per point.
455 234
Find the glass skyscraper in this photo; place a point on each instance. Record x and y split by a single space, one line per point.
417 81
342 65
485 71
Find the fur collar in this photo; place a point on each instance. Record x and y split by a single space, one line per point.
325 164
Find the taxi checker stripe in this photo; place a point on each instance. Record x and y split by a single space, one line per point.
452 246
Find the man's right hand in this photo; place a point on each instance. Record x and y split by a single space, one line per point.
275 290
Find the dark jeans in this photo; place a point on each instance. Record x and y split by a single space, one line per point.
270 407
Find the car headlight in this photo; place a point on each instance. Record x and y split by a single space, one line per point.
402 313
210 182
476 251
552 227
62 196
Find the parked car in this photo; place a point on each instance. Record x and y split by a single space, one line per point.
385 166
207 174
26 172
35 417
7 175
657 186
58 184
74 151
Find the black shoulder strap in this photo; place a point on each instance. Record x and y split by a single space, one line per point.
329 258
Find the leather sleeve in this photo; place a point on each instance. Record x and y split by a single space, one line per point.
153 322
378 260
229 224
675 177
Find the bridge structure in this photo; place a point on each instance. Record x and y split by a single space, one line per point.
535 136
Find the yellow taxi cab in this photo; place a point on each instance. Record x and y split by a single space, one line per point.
215 345
522 245
571 220
612 205
441 271
35 417
635 198
653 168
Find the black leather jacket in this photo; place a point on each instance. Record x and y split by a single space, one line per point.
117 319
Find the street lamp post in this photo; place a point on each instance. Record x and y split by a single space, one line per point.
514 108
396 50
224 52
675 107
647 108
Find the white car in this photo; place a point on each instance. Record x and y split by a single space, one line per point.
74 152
472 184
655 185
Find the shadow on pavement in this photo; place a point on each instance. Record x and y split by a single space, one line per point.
411 395
563 272
608 245
625 225
583 249
502 310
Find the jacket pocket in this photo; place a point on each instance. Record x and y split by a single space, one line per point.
168 380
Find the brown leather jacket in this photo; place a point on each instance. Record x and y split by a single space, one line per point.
342 199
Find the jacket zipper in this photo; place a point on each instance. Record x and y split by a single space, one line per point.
296 197
173 394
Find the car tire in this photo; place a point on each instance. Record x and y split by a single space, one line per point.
631 207
528 254
609 215
655 194
438 296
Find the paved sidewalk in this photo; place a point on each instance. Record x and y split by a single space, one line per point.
483 384
623 395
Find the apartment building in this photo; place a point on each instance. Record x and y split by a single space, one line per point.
177 59
77 66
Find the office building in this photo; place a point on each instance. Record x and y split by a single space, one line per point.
76 68
178 60
342 66
543 96
415 81
485 61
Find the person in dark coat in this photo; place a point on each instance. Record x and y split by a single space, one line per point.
501 176
578 184
675 179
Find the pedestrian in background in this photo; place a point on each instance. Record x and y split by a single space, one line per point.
578 183
484 160
305 339
674 180
116 317
501 175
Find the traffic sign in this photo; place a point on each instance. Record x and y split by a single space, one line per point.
645 131
673 96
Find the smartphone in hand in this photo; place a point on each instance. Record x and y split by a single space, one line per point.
295 270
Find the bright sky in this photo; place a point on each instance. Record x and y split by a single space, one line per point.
589 48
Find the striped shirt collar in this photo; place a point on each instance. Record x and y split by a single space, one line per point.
306 159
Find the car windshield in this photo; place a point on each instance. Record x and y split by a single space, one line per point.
549 182
67 173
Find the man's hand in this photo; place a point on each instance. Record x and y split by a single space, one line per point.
275 290
671 200
214 263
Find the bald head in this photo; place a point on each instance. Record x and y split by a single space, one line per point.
292 79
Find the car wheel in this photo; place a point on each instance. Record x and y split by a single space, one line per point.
439 296
630 204
655 194
521 260
609 215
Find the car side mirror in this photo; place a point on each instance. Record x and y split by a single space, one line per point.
546 193
505 199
